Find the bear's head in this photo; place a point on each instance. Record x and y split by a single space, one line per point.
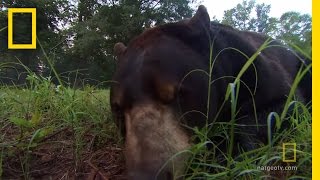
160 89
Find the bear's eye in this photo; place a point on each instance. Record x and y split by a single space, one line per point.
166 92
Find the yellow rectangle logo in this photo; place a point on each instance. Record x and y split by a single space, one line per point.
33 12
291 147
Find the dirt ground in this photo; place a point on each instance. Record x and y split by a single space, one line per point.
58 157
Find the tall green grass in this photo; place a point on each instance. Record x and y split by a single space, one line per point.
215 163
31 115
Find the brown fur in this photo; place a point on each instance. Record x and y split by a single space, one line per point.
146 125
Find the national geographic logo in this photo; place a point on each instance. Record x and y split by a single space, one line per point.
289 152
33 44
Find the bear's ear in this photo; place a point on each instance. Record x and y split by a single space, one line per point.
119 49
201 20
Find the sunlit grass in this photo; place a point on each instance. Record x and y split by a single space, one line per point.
31 114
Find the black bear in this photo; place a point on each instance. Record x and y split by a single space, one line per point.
161 87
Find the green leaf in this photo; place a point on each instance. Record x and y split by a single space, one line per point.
36 118
21 122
